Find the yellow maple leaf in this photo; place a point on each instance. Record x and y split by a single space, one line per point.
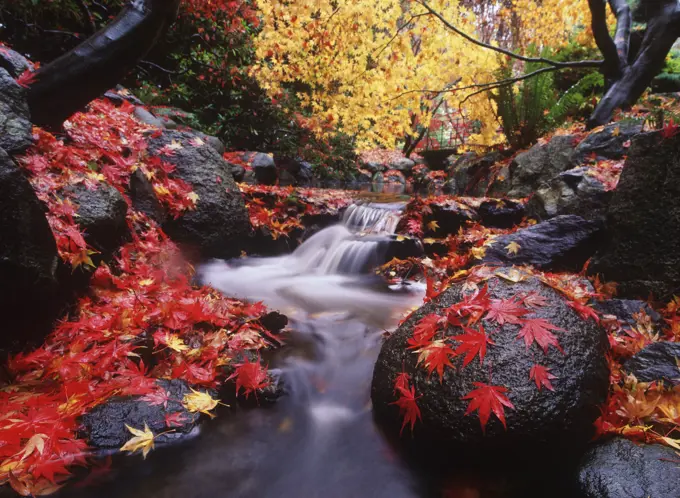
513 247
616 132
36 442
429 240
193 197
478 252
433 225
143 440
175 145
202 402
512 275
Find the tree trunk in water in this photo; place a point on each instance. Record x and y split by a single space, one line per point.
634 77
70 82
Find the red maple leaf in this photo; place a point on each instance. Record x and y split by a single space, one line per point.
250 376
436 355
176 419
534 300
26 79
487 399
473 343
415 227
584 311
472 306
424 331
670 129
408 407
158 398
538 329
506 311
542 376
401 382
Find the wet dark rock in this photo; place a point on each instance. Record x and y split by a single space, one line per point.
501 213
305 175
213 142
541 421
643 221
104 426
403 248
570 192
121 94
101 215
146 117
625 309
404 165
238 172
563 243
264 168
607 143
450 216
657 362
539 164
619 468
144 198
472 173
15 122
438 159
219 224
374 167
274 322
13 62
28 260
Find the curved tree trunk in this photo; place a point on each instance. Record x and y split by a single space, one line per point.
70 82
631 74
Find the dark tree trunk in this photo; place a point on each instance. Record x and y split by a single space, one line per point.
70 82
630 75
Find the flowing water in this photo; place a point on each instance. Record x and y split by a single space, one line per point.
319 440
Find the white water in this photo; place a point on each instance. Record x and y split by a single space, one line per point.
327 273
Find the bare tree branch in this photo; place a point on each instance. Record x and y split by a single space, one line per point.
624 20
543 60
598 11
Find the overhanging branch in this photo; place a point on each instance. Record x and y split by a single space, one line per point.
509 53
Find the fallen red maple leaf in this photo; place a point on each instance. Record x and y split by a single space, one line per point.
158 398
538 329
436 355
542 376
505 311
424 331
250 376
401 382
584 310
473 343
670 129
26 78
408 407
487 399
175 419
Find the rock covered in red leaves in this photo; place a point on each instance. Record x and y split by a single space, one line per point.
496 366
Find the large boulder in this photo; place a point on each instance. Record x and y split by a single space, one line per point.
607 143
643 221
539 164
144 198
403 164
656 362
570 192
563 243
625 310
13 62
448 216
472 173
15 122
558 415
219 224
619 468
104 426
501 213
28 260
101 215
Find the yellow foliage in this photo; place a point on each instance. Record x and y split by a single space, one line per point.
197 401
366 64
143 440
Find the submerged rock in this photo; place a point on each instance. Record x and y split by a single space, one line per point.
558 419
660 361
619 468
539 164
15 123
104 426
643 221
28 260
560 244
219 224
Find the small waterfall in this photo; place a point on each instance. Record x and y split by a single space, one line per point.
373 217
329 272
